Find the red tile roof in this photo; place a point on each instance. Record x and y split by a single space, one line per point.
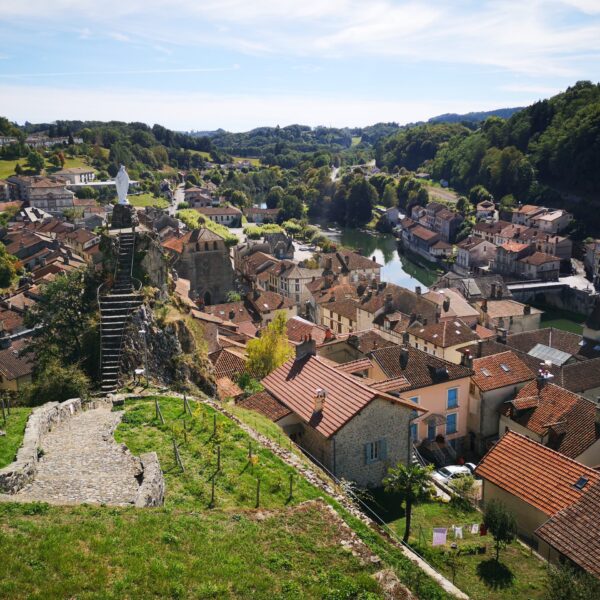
227 363
575 531
444 334
226 388
14 362
295 385
298 328
537 475
266 405
568 418
500 370
539 258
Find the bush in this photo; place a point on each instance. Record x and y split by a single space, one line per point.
55 383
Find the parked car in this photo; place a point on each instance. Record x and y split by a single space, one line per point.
447 474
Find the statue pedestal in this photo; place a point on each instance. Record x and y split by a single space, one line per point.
124 216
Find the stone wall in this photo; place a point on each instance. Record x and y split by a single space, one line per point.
152 488
42 420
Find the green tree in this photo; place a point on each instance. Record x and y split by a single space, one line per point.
56 382
271 349
291 208
501 524
233 296
464 487
507 203
390 195
35 161
566 583
240 199
275 196
86 192
7 267
412 483
63 316
361 200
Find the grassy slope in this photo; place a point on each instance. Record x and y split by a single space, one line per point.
7 167
94 552
147 199
14 428
521 576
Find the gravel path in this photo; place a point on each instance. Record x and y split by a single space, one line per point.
83 463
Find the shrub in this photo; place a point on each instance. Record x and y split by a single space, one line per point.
56 383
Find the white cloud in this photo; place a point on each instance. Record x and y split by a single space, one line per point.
210 111
120 72
522 36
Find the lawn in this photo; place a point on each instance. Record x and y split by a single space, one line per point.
563 319
14 428
147 199
109 553
236 481
519 575
7 167
356 139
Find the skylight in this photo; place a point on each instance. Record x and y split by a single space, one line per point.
486 372
505 367
581 483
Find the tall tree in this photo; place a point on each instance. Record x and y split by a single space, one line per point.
411 483
271 349
35 161
501 524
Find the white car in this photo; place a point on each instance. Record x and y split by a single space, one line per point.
447 474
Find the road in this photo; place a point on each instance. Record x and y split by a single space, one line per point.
178 196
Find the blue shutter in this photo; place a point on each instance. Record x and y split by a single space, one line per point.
383 449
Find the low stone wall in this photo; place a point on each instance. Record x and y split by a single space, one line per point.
41 421
152 488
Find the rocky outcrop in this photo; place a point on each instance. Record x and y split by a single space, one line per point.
174 350
152 488
42 420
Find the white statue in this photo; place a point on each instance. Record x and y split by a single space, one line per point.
122 184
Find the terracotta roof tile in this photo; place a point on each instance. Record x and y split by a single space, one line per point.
575 531
295 385
500 370
266 405
14 362
227 363
421 369
298 328
537 475
540 410
444 334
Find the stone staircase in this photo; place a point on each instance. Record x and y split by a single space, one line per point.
115 310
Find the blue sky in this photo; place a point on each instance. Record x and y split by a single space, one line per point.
203 64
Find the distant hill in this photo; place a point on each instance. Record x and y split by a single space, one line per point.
475 117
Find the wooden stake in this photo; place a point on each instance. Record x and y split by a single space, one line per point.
218 458
186 404
215 424
185 432
249 448
212 492
159 414
177 457
291 485
257 492
3 413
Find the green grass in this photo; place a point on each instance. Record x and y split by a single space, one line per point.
356 139
206 156
109 553
147 199
520 574
14 428
563 319
235 483
7 167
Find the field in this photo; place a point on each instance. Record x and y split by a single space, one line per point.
7 167
14 428
563 319
356 139
206 156
147 199
520 574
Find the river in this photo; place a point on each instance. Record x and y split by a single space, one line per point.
397 268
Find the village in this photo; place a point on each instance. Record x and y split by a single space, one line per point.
461 375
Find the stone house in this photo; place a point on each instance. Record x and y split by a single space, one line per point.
592 262
256 214
280 245
472 254
354 431
202 257
489 231
440 387
552 221
485 210
267 304
200 197
16 367
539 265
507 256
350 265
45 193
556 418
290 280
534 482
525 214
496 380
452 305
447 223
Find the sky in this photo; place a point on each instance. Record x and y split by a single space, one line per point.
239 64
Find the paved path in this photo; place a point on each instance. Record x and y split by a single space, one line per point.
83 463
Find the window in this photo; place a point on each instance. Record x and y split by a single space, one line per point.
452 398
415 399
413 431
451 423
431 431
375 451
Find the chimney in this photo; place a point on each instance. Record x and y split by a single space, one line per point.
467 359
418 290
389 303
231 315
255 294
438 314
493 290
374 258
484 306
446 304
413 318
499 292
543 376
403 358
479 348
347 259
502 335
319 400
308 347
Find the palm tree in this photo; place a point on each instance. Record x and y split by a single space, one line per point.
412 483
